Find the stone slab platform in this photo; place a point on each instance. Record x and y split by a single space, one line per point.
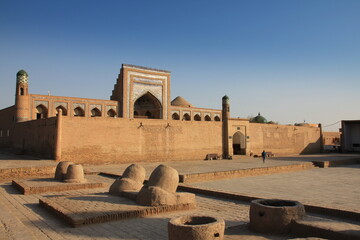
336 163
26 172
310 208
311 228
237 173
215 175
326 228
78 210
46 185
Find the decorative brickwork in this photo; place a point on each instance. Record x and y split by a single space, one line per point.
22 77
111 107
28 187
75 209
81 105
63 104
45 103
140 89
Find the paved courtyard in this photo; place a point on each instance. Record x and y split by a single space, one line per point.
337 187
8 160
22 218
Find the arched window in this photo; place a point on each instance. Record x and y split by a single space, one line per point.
175 116
22 91
41 111
207 118
79 112
95 112
217 118
64 111
148 106
197 117
111 113
186 117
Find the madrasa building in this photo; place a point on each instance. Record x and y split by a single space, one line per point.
140 123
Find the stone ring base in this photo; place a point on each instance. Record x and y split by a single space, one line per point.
196 228
274 215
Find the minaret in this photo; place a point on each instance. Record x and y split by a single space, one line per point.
225 118
22 97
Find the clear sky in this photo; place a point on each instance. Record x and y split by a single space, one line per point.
289 60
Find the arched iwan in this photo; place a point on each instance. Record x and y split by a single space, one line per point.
147 106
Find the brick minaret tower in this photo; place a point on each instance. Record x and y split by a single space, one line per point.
22 97
225 118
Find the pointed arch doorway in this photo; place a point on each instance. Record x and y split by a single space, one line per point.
239 147
147 106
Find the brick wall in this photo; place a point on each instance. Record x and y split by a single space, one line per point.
36 137
6 126
99 140
284 140
331 138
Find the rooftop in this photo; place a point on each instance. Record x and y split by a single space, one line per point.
145 68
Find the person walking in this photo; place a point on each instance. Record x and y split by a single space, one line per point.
263 154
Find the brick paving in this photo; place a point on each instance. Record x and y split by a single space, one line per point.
8 160
49 182
239 162
337 188
23 218
39 223
44 224
99 207
44 185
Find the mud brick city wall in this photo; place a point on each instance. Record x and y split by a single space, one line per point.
284 140
6 126
36 137
99 140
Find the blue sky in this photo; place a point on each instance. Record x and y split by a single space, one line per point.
289 60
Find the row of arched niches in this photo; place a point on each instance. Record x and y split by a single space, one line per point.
197 117
42 112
